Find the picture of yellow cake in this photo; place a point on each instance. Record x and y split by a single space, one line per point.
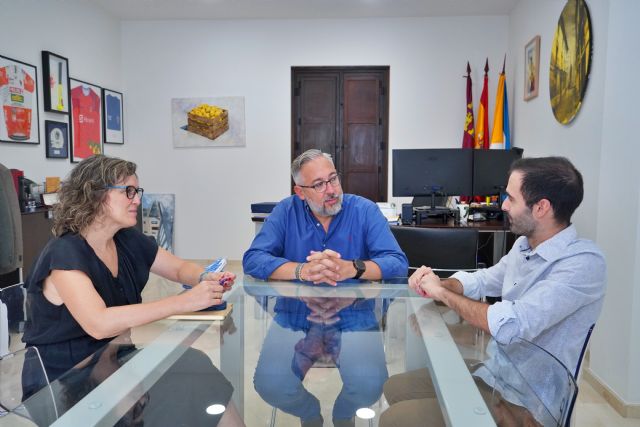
207 120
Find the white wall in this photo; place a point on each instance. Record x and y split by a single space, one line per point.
87 36
616 362
214 187
601 141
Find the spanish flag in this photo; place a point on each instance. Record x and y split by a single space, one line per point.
467 136
482 128
500 135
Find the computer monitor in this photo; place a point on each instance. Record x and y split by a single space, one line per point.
432 171
491 170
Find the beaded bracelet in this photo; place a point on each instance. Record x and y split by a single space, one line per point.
298 272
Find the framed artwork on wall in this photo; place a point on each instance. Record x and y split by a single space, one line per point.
113 116
532 68
55 78
19 121
86 120
57 139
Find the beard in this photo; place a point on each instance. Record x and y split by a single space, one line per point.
522 225
321 210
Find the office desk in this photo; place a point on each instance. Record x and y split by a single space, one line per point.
266 346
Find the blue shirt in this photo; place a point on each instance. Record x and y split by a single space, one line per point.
358 231
551 295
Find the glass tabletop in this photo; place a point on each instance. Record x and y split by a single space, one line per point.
286 353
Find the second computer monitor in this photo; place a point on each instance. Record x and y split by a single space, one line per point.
491 170
423 172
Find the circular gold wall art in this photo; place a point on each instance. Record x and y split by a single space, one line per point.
570 61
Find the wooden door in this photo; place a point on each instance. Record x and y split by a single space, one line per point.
344 111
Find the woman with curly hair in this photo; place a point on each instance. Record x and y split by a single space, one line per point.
85 287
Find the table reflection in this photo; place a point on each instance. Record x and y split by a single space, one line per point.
340 332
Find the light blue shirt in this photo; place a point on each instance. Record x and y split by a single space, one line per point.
551 295
358 231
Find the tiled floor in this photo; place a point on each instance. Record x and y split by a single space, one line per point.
593 411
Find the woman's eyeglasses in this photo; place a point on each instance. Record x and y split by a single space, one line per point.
129 190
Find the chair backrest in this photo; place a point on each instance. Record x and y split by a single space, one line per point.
446 250
10 224
23 374
12 317
576 375
529 378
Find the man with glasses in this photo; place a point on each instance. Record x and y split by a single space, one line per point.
321 235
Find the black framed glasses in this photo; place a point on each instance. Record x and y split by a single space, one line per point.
129 190
321 186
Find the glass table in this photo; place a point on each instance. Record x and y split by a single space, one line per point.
286 352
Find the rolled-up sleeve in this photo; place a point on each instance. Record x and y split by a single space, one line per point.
484 282
573 283
264 255
382 246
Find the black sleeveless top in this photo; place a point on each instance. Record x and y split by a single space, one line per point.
52 328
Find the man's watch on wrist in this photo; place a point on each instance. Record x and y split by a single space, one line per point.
360 267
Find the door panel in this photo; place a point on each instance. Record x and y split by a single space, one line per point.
344 111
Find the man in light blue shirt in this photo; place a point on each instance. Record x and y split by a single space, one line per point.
321 235
551 283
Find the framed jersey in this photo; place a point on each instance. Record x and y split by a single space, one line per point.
113 115
19 120
86 120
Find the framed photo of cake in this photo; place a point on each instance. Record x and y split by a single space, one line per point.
208 122
55 78
19 120
57 139
86 120
113 117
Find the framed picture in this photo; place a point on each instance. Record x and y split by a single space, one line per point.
57 139
55 77
113 114
531 68
86 120
19 121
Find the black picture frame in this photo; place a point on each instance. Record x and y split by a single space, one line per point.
19 94
57 139
86 136
55 82
113 116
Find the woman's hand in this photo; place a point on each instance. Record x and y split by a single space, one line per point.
224 278
203 295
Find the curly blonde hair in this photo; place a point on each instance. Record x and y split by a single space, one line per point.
82 193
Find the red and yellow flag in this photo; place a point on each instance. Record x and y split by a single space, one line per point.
482 128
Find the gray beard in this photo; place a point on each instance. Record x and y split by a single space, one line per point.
321 210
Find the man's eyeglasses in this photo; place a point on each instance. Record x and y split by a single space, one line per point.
321 186
129 190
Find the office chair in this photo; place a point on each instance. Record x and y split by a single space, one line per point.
576 376
530 383
445 250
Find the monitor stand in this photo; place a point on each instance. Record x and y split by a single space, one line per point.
432 213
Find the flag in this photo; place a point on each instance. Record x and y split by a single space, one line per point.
482 128
467 136
500 135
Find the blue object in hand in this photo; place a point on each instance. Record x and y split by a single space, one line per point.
215 267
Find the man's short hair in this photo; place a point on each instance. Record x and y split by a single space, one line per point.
303 158
554 179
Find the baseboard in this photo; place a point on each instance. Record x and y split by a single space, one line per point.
626 410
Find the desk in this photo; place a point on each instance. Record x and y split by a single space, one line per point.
265 333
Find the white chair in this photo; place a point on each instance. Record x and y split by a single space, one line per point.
12 318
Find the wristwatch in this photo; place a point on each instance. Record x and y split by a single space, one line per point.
360 267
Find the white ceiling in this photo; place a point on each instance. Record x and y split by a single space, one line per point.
299 9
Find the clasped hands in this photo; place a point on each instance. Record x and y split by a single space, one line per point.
426 283
324 311
327 267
